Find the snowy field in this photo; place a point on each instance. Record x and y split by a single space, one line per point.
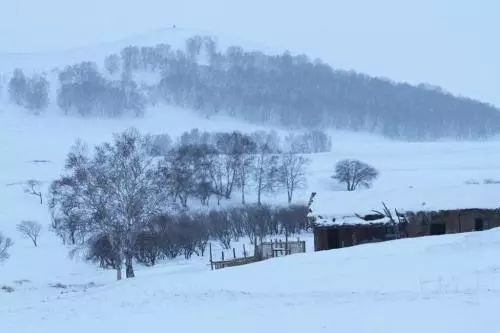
432 284
437 284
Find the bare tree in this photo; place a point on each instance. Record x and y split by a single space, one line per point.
5 244
114 192
33 188
292 173
243 152
354 173
31 230
265 172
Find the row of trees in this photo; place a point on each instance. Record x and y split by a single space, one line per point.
233 162
307 142
295 91
119 188
83 90
286 90
29 92
170 235
206 164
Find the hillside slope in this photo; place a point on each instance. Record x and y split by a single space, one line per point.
437 284
172 67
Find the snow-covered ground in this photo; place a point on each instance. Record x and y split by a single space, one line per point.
432 284
446 283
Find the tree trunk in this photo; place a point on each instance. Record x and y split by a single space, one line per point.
118 272
242 194
129 268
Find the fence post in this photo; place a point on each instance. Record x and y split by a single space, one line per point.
286 244
234 253
211 262
244 251
222 255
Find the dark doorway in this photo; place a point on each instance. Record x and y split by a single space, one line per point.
478 224
333 239
438 229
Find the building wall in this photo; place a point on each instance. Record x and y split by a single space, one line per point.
326 238
419 224
454 221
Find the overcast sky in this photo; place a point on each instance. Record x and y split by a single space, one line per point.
452 43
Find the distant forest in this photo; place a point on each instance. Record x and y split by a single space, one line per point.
283 90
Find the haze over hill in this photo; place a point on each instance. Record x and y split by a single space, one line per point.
280 89
446 43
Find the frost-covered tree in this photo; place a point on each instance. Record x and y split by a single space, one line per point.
37 93
131 59
112 64
307 143
30 230
30 92
85 91
5 244
161 144
114 192
18 85
354 173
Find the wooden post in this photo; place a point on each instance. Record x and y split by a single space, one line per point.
244 251
234 253
211 262
222 255
286 243
459 222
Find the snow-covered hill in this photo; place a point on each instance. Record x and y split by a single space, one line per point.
431 284
173 36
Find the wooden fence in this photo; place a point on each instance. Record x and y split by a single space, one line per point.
263 251
278 248
233 262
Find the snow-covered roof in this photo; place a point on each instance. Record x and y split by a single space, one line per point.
343 206
348 220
